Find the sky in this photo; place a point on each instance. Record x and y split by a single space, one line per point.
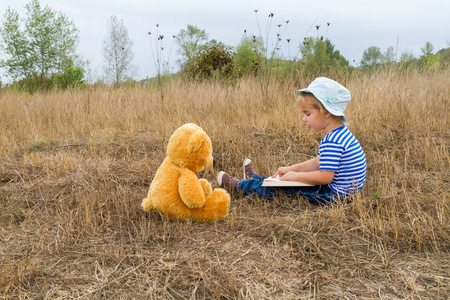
355 25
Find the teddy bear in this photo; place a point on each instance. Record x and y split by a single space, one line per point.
176 191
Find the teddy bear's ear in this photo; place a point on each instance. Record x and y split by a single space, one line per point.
195 141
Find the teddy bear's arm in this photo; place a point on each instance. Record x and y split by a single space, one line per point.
190 189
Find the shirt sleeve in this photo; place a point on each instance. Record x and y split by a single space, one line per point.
330 155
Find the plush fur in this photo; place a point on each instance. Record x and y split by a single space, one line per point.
175 191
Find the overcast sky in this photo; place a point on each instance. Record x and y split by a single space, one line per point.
355 25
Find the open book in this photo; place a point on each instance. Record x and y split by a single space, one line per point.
275 181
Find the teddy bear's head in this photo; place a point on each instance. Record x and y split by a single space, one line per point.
190 147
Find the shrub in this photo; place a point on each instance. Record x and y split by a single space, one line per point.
214 59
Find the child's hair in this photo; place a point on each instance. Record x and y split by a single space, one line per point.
309 98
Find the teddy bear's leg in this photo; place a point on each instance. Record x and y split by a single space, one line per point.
215 208
147 204
207 189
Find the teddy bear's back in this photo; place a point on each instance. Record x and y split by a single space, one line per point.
165 197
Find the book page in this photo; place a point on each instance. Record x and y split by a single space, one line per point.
276 178
275 181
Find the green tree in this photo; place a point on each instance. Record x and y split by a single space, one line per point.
44 45
249 52
428 59
444 55
371 57
319 58
213 59
388 56
428 49
190 41
117 50
72 77
406 56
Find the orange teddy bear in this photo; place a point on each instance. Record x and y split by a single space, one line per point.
175 191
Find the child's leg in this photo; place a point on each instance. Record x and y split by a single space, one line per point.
254 186
319 194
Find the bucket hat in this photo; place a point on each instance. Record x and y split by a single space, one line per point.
333 96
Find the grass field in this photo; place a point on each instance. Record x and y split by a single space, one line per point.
75 165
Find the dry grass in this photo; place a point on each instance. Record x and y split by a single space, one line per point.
75 165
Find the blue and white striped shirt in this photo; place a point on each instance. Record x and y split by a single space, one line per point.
340 152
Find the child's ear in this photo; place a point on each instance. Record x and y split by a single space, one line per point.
326 114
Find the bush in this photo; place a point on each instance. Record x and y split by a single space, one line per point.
72 77
214 59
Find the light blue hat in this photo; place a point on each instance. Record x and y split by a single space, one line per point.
330 93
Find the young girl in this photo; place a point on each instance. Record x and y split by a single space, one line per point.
339 170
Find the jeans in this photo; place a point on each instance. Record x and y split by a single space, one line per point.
318 194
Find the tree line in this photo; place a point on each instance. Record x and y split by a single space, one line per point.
40 53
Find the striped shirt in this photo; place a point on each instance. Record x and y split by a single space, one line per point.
340 152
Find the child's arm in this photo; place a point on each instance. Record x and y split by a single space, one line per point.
306 166
314 178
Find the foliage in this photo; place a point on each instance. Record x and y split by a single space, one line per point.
41 47
249 52
388 56
319 58
72 77
444 54
427 50
117 50
190 41
214 58
371 58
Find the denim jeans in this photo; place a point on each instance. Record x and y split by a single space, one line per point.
318 194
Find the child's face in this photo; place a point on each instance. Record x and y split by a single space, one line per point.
313 117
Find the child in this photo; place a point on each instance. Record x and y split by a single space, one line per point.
339 170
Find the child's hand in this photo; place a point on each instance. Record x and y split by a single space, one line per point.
281 171
289 176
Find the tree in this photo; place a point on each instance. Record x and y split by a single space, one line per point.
388 56
427 50
117 50
190 41
444 55
44 45
406 56
428 59
319 58
214 58
248 55
371 57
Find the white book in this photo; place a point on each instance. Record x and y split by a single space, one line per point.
275 181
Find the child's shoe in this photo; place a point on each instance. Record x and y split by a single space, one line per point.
249 171
227 182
